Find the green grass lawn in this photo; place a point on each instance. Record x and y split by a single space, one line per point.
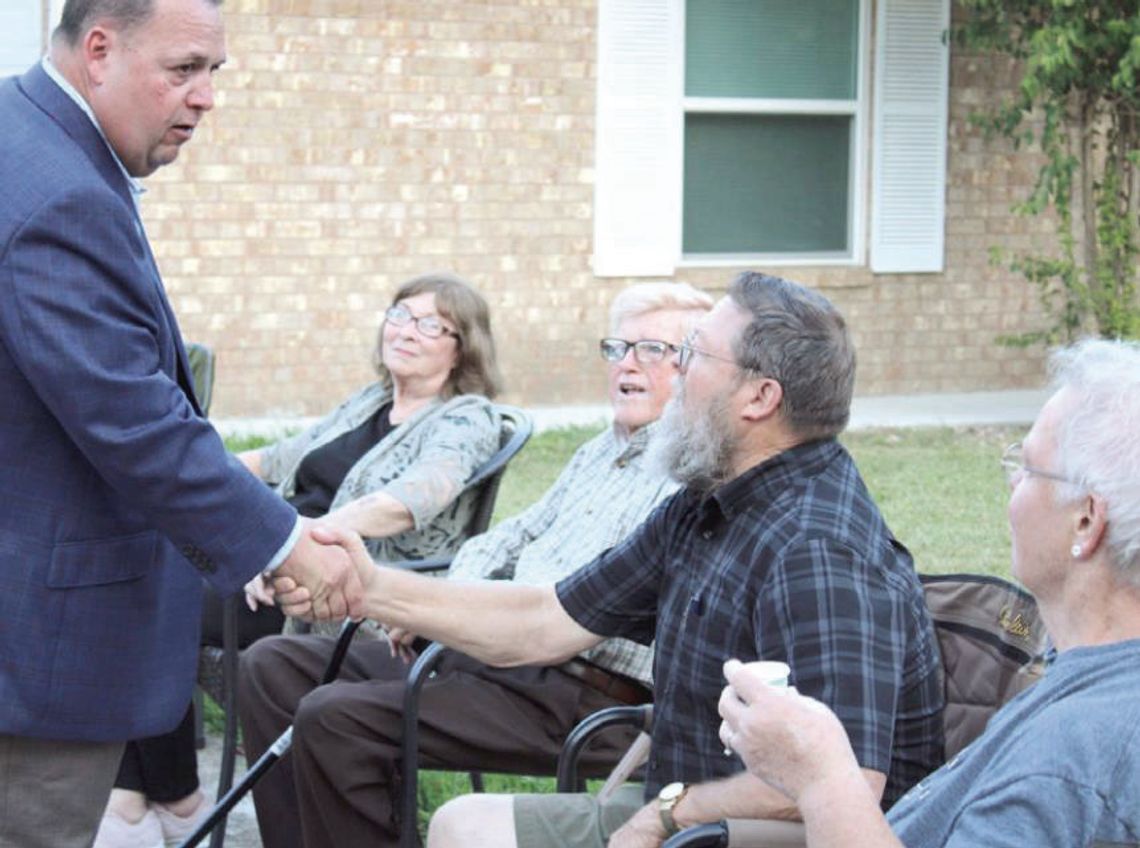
941 490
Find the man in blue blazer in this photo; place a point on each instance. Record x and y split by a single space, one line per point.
116 496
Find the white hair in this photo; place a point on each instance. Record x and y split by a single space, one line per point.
1098 444
643 298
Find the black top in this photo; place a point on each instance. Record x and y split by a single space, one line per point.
323 470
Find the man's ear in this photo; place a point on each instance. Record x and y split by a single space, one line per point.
1091 524
763 397
95 47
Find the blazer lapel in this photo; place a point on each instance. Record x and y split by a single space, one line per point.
55 103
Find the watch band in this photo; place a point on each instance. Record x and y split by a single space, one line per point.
667 800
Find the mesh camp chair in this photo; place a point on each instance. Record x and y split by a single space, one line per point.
516 428
202 363
991 640
420 672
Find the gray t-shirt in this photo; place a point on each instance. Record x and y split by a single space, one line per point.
1058 765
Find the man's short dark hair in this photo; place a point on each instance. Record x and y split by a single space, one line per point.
79 15
798 338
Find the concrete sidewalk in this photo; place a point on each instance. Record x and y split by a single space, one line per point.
926 410
241 829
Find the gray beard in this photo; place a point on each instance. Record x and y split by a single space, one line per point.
695 453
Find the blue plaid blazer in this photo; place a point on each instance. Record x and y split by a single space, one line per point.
116 496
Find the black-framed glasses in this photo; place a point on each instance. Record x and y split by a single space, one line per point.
429 325
685 351
1013 463
645 351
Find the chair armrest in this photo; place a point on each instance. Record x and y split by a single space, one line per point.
711 835
420 671
741 833
640 715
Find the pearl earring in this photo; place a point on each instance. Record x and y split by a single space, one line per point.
1075 551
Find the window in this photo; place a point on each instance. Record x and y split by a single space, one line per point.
737 132
771 113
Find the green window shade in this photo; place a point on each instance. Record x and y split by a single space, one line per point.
765 183
771 48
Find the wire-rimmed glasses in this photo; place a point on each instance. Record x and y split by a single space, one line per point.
685 351
1013 463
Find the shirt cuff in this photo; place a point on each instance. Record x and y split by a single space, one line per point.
286 549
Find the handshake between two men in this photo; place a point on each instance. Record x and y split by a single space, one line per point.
324 576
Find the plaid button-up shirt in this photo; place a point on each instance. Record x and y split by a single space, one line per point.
790 561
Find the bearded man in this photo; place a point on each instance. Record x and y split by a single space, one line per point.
772 549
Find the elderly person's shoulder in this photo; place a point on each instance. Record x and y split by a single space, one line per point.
471 418
476 409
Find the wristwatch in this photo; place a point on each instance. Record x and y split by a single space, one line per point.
667 800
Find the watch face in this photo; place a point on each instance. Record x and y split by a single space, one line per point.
673 790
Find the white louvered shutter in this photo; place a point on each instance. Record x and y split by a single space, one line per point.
908 194
638 161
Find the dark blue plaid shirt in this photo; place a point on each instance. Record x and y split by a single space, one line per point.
790 561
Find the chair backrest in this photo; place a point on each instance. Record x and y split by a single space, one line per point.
991 639
516 429
202 373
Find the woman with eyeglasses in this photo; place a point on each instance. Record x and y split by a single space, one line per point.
388 463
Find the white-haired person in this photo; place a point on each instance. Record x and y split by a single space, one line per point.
340 785
1059 764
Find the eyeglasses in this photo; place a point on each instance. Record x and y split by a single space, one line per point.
1013 463
685 352
645 351
428 325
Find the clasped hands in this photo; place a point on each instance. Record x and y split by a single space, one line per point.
325 576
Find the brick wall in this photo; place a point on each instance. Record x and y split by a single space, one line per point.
357 143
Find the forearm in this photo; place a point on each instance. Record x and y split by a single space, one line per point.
842 811
375 515
499 623
251 459
741 796
745 796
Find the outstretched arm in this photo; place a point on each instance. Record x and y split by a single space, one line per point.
499 623
376 514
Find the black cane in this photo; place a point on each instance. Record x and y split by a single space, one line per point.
276 751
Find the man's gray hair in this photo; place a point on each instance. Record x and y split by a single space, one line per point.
1098 444
643 298
80 15
799 339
